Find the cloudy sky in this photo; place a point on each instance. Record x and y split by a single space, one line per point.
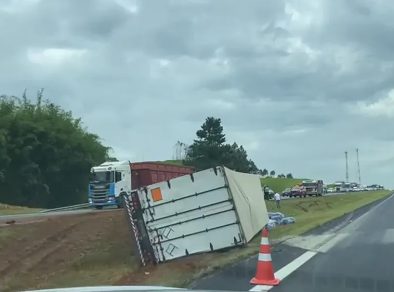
296 82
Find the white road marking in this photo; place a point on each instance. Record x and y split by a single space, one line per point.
287 270
388 237
322 244
332 242
294 265
309 242
259 288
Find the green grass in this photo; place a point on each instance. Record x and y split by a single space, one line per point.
6 209
314 211
280 184
174 162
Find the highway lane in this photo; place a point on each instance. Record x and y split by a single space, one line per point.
236 277
361 261
318 241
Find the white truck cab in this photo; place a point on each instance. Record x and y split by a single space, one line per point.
107 181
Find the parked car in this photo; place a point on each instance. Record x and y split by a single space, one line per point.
268 193
286 192
298 191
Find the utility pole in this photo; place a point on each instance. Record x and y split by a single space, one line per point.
358 168
347 168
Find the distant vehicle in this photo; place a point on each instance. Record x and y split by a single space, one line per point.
109 179
339 186
331 190
286 192
298 191
374 187
343 187
313 187
268 193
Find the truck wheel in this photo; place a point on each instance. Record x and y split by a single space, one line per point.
99 207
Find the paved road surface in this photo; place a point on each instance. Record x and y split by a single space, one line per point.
347 250
237 277
362 260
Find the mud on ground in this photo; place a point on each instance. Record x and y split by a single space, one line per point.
65 251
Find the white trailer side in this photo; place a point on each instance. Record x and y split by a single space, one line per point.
209 210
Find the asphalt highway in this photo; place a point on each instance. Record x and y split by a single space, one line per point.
352 253
361 261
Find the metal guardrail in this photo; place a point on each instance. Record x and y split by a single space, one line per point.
66 208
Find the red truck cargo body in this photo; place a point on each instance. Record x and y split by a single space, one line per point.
147 173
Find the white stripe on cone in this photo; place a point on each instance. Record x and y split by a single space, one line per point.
264 257
264 241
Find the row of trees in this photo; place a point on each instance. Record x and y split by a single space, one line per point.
265 172
45 154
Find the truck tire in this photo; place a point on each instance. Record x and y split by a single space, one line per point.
99 207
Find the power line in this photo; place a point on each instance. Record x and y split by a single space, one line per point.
347 168
358 166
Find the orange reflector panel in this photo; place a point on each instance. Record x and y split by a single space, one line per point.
156 194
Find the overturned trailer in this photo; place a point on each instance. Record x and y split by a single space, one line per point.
205 211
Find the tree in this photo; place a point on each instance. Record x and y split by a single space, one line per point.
211 132
272 173
264 172
289 175
206 151
209 150
45 154
281 175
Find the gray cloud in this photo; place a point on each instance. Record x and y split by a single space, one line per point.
293 81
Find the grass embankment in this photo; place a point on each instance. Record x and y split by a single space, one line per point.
6 209
95 249
313 212
174 162
66 251
278 184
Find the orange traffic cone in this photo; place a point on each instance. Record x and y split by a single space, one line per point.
265 270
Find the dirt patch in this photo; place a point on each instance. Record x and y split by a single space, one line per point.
43 252
84 250
300 205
